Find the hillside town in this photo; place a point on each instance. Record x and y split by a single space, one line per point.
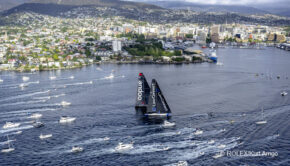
46 43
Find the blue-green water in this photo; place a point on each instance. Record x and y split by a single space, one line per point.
204 96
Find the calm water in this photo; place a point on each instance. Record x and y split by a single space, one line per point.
204 96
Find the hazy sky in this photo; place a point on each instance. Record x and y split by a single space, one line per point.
237 2
233 2
240 2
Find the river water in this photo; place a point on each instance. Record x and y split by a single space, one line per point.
224 101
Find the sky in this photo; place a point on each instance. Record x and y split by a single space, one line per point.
234 2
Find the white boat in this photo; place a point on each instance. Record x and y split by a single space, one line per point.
221 146
201 153
223 130
198 132
52 78
284 93
25 78
71 77
18 132
122 146
66 119
111 76
218 155
165 148
182 163
23 85
219 64
211 141
1 80
99 69
64 103
35 116
263 121
10 148
77 149
106 138
37 124
45 136
168 124
10 125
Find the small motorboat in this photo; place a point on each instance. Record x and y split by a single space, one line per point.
219 64
23 85
52 78
106 138
99 69
18 132
66 119
182 163
201 153
1 80
10 125
284 93
111 76
64 103
218 155
35 116
211 141
10 147
223 130
198 132
221 146
7 150
263 121
77 149
122 147
25 78
45 136
168 124
165 148
72 77
37 124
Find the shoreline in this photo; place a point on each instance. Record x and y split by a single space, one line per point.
105 62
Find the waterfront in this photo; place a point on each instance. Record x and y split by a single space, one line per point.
105 108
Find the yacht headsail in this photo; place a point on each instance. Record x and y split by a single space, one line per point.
157 105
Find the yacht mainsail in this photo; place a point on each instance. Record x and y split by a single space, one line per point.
143 92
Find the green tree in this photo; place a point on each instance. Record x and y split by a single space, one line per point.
55 57
98 58
177 52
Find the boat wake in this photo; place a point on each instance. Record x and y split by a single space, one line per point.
48 97
20 112
80 83
23 103
110 77
24 95
16 129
